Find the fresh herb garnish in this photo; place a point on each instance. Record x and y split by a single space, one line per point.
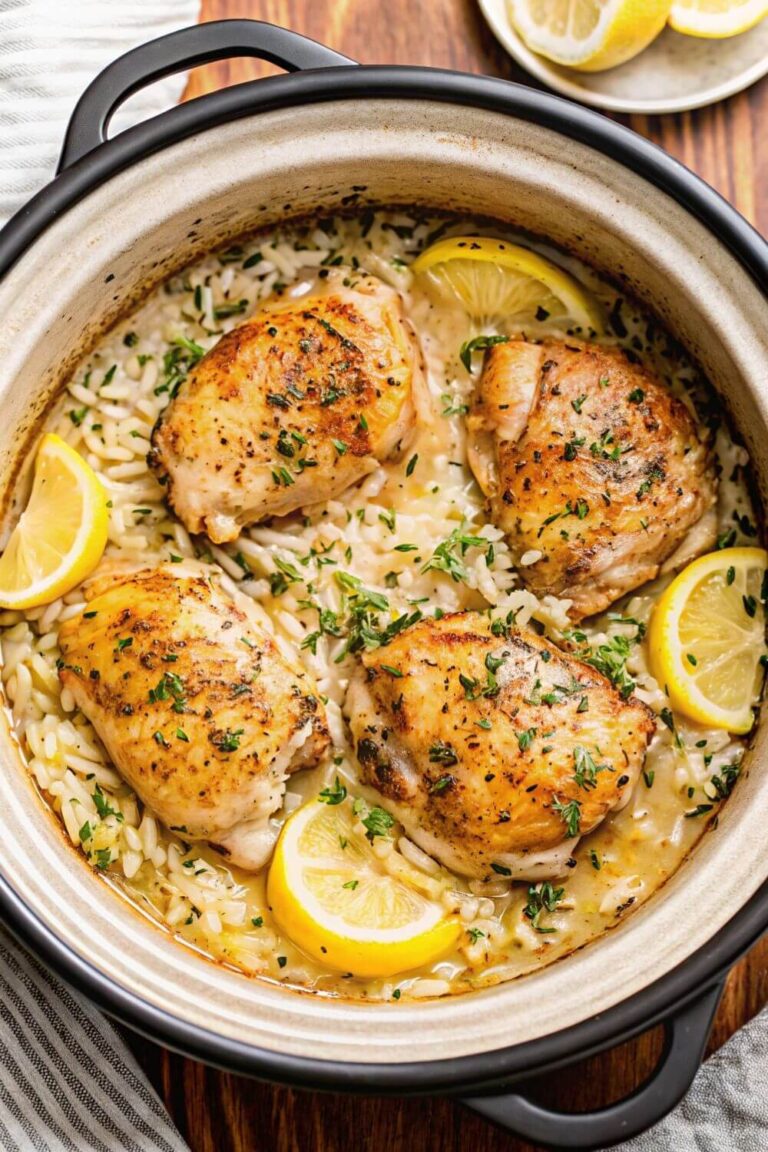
442 753
570 814
334 794
477 344
449 555
228 740
542 898
585 768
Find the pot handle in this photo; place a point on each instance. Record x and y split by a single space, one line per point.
686 1036
187 48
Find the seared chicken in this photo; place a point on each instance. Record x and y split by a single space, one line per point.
591 466
197 708
290 408
494 749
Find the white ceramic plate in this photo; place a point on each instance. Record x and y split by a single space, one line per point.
676 72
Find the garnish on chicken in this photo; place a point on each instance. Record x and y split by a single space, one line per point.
591 466
493 748
290 408
196 706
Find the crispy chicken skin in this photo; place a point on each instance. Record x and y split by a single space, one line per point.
591 461
290 408
196 706
493 749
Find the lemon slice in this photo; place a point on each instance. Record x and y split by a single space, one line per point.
61 534
336 900
716 19
707 635
589 35
499 283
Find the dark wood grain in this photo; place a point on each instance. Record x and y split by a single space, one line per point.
217 1112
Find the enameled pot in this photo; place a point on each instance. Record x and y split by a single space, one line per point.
121 215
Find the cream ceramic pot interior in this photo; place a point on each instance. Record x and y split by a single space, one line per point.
171 207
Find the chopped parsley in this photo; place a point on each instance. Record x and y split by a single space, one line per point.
103 807
182 355
525 739
286 574
570 447
228 740
376 821
334 794
169 687
452 409
477 344
442 753
449 555
723 783
542 898
653 475
570 814
585 768
610 658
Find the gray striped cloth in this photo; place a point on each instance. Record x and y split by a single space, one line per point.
726 1110
67 1080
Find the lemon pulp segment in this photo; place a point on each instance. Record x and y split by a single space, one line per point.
337 902
62 533
707 637
499 283
589 35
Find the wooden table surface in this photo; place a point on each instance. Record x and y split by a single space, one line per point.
217 1112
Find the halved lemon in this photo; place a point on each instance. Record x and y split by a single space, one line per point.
335 899
590 35
707 635
61 534
500 284
716 19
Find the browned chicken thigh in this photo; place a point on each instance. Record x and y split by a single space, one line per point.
290 408
196 706
591 467
493 748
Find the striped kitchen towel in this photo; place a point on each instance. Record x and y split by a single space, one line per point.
68 1083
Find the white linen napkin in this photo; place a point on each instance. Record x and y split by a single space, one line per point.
50 50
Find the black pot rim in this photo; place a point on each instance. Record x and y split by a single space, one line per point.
704 967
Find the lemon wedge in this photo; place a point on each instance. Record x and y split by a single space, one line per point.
589 35
337 901
707 635
61 534
502 284
716 19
